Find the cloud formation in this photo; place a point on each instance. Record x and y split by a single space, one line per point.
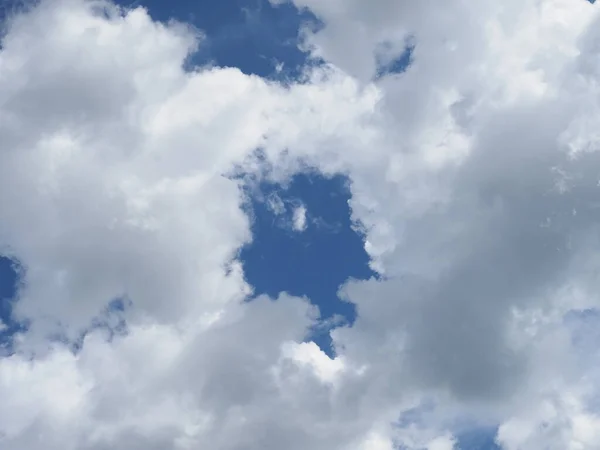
474 174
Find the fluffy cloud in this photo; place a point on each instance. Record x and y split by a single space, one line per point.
113 186
474 174
114 161
482 211
299 218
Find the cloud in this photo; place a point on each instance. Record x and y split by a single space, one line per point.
299 218
474 174
478 199
275 204
139 150
114 184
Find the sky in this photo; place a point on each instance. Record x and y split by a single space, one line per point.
266 224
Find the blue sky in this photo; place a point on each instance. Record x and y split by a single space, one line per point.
8 285
313 262
251 35
476 191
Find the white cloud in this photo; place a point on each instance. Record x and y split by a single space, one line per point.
309 354
275 204
442 443
465 172
121 192
111 185
299 218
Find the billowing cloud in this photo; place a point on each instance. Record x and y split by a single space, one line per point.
474 174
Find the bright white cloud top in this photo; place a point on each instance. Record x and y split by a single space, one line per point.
475 174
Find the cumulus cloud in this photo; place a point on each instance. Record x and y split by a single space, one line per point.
474 174
299 218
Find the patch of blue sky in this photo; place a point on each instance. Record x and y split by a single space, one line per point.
9 278
311 256
252 35
483 438
393 60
